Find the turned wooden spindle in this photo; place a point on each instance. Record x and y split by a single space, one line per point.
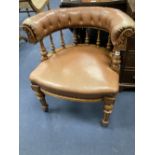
109 44
43 51
74 37
87 37
62 39
52 43
116 60
98 38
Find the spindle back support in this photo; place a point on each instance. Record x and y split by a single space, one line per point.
87 38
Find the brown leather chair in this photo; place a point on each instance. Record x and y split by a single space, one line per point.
80 72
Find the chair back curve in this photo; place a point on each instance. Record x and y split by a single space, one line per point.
117 23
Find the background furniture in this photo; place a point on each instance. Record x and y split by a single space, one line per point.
79 72
25 7
120 4
29 6
127 77
127 74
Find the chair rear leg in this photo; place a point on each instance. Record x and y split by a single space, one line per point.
41 97
107 109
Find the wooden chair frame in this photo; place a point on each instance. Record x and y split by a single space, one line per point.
108 99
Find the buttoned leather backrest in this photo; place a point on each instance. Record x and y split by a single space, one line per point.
112 20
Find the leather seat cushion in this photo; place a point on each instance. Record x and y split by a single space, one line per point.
80 71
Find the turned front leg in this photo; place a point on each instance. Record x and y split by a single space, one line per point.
107 109
41 97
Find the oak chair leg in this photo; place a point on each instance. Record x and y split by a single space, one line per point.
107 109
41 97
